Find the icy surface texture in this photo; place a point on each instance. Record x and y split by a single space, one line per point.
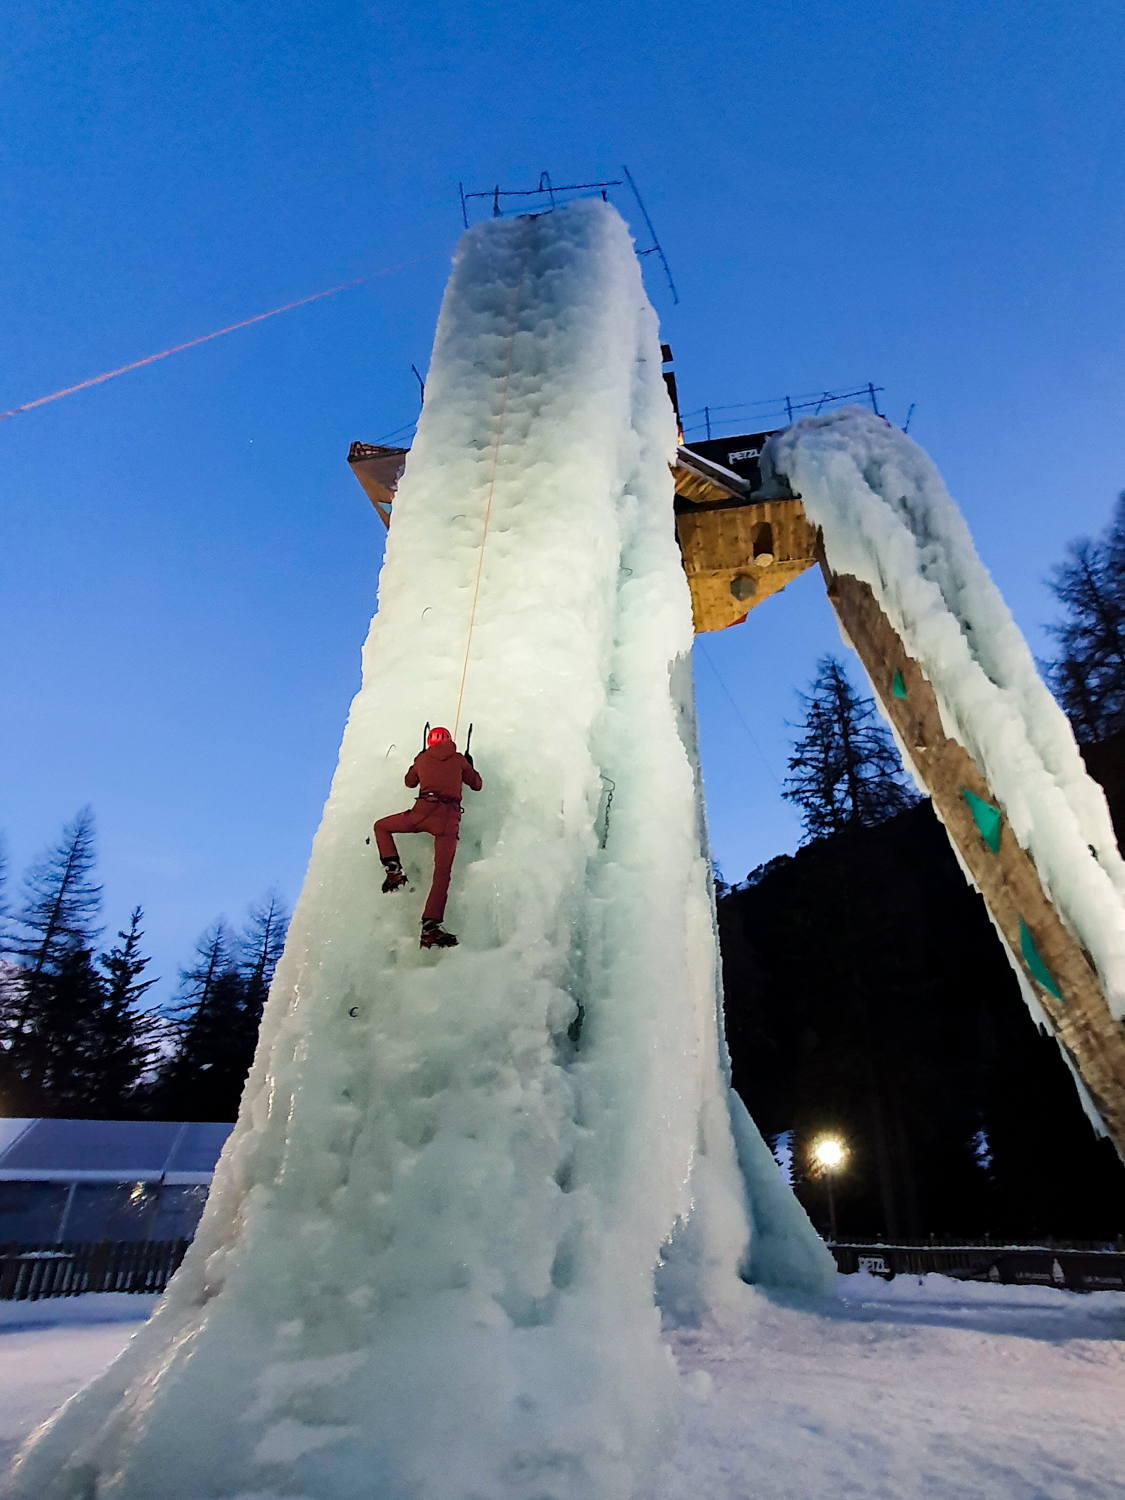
888 520
427 1265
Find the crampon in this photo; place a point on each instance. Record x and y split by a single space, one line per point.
434 935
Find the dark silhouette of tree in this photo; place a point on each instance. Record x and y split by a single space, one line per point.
1088 676
845 769
74 1039
61 899
218 1012
202 1078
56 978
260 948
64 1070
122 1035
866 994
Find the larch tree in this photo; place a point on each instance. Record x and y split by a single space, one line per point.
1088 675
61 898
203 1077
260 948
122 1035
74 1040
844 770
55 982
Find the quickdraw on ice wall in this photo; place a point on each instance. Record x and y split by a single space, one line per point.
427 1267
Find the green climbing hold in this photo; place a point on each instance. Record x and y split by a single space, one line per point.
1039 969
986 817
898 688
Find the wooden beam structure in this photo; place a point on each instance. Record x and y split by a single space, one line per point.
1058 969
737 556
740 544
378 470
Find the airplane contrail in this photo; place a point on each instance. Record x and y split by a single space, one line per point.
203 338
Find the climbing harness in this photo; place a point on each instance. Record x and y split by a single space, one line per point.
495 459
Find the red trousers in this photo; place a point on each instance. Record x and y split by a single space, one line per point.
439 819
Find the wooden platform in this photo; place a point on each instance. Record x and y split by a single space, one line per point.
739 545
378 470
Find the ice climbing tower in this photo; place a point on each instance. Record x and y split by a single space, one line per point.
460 1184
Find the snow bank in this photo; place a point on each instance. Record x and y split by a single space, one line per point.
950 1291
426 1267
888 520
88 1307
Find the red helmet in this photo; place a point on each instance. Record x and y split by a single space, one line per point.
436 736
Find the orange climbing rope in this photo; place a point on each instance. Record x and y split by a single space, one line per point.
495 462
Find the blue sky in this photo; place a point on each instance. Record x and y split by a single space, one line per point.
927 197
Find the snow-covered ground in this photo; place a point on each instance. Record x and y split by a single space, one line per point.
924 1390
49 1349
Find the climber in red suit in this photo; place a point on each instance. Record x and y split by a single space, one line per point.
440 771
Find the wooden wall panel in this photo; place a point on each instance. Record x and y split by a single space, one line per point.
718 546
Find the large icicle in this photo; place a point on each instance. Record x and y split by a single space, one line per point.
888 521
426 1268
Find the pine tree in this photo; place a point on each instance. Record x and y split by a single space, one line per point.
1088 676
41 1005
260 948
61 899
203 1078
845 768
122 1035
64 1074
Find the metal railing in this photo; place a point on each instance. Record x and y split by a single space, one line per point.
31 1271
1007 1265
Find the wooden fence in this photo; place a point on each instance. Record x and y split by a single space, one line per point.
28 1272
1008 1265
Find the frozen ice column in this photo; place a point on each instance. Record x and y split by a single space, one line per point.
978 728
427 1265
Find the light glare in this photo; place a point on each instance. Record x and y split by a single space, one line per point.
829 1153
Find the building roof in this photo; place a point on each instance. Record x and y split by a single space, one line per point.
178 1152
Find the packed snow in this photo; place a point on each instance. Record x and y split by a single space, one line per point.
49 1348
913 1389
888 520
465 1188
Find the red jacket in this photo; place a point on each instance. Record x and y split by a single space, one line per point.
441 771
